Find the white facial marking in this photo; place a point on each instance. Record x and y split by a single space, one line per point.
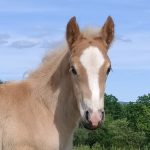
92 60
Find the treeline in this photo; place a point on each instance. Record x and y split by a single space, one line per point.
126 126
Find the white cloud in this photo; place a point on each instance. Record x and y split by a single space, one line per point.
123 39
51 44
2 42
20 44
4 38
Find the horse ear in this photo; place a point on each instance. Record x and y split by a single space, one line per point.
72 31
107 31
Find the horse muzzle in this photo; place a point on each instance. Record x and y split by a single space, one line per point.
93 120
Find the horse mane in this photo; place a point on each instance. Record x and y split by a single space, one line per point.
49 63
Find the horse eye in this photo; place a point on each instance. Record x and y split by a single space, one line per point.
108 71
73 70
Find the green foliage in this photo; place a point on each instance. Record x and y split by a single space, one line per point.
144 100
113 107
127 126
80 136
1 82
138 116
122 135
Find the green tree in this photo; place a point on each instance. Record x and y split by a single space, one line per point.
113 107
138 115
123 135
145 99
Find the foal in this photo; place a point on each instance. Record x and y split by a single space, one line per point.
41 112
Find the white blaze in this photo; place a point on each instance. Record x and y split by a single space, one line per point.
92 60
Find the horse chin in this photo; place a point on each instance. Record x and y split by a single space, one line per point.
89 126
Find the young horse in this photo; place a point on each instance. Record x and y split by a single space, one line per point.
41 112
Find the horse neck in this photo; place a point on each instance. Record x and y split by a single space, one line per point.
66 107
55 90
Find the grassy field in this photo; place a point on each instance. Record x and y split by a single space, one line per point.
102 148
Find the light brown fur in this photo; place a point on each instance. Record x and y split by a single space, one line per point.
41 112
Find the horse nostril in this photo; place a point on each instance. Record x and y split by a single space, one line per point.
87 115
103 115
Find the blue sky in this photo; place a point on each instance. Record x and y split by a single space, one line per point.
29 28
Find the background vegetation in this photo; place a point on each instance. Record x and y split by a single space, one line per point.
126 126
